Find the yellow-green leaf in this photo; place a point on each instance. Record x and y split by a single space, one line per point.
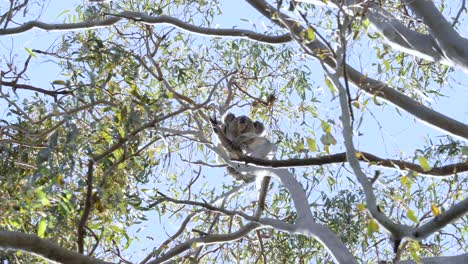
386 64
62 13
325 126
361 207
356 104
311 144
435 210
374 97
41 228
45 201
366 23
372 227
330 86
30 52
424 164
410 214
59 82
299 146
414 249
169 95
104 135
403 180
310 34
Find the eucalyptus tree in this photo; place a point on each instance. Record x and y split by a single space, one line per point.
108 153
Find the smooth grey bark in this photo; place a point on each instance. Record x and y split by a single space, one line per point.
44 248
453 46
458 259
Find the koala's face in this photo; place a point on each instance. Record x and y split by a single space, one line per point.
236 126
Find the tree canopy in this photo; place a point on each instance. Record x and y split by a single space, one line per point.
107 152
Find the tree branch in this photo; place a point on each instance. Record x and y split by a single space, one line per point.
400 37
44 248
446 170
205 205
149 20
15 86
87 206
206 240
456 211
463 258
453 46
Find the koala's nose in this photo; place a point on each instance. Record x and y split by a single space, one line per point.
242 119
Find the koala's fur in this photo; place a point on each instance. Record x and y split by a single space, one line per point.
241 135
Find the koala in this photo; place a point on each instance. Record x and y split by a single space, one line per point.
242 136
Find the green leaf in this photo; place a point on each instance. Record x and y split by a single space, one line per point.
104 135
325 126
424 164
386 64
464 150
331 181
328 139
45 201
59 82
366 23
30 52
41 228
169 95
62 13
414 249
435 210
299 146
311 144
310 34
403 180
330 86
361 207
372 227
410 214
374 97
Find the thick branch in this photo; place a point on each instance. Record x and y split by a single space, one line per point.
87 207
446 170
44 248
36 89
373 87
150 20
463 258
453 46
456 211
402 38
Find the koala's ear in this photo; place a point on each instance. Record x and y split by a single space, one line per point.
227 118
259 127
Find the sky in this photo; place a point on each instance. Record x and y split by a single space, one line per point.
401 132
